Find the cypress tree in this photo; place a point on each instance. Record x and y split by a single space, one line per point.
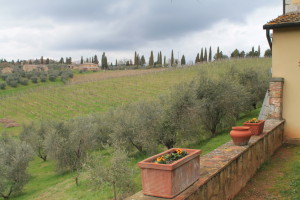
81 60
160 58
210 55
135 59
182 60
143 61
104 61
165 61
197 58
151 59
201 55
205 55
116 62
258 51
96 61
218 53
172 58
42 60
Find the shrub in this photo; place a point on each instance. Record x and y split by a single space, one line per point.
23 81
13 83
64 78
34 79
2 86
43 78
52 77
4 76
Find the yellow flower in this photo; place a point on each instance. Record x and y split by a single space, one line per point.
179 151
160 159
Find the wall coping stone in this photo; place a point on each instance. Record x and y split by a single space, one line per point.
215 161
277 79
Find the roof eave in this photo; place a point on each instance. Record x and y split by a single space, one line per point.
283 25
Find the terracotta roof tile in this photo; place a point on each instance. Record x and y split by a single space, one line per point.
284 20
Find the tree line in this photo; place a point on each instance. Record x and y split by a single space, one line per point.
139 61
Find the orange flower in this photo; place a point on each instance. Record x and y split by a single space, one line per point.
179 151
159 159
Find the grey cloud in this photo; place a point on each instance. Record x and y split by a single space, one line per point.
124 24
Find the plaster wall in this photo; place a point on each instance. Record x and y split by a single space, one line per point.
286 64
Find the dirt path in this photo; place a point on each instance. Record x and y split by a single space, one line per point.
264 185
112 74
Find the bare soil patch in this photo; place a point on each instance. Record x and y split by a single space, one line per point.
9 123
112 74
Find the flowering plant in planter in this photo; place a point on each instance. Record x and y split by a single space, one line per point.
171 157
169 173
253 120
256 125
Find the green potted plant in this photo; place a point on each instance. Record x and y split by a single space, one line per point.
169 173
256 126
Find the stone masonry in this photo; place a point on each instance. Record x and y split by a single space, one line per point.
292 6
275 98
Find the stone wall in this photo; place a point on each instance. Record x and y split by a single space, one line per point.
227 169
292 6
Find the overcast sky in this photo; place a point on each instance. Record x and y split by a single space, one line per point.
75 28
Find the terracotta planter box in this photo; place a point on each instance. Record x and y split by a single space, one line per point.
168 180
256 128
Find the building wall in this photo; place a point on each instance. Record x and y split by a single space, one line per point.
286 64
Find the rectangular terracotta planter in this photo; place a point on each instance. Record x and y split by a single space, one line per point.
256 128
168 180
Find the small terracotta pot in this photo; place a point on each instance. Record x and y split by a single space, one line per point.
240 135
256 128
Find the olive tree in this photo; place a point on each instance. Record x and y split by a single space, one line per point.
179 118
35 135
115 173
220 101
135 125
70 142
14 159
256 82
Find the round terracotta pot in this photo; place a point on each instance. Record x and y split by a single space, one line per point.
240 135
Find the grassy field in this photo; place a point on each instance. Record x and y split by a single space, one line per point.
67 101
